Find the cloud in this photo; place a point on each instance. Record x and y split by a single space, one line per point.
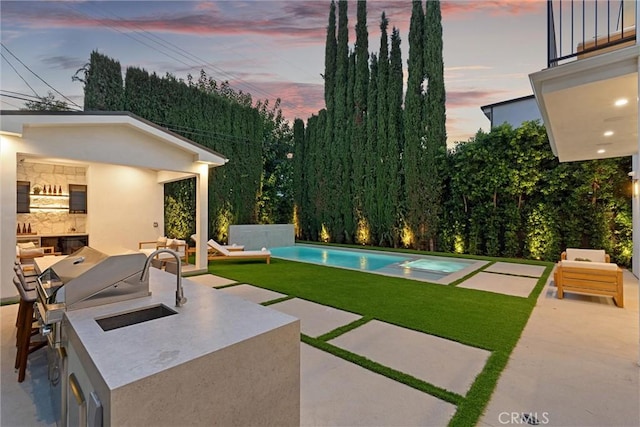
472 98
467 68
63 62
299 100
457 8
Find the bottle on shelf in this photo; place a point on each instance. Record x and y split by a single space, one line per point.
29 228
19 230
49 190
60 190
55 190
24 229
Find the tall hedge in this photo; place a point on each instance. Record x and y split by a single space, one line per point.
103 90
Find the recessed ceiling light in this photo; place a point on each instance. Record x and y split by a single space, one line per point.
602 150
622 101
608 133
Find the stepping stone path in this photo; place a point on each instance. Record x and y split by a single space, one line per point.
336 392
501 284
210 280
315 319
252 293
441 362
516 269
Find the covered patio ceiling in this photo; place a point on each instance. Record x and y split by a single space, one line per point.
580 105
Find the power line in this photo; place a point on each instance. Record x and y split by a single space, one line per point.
40 78
19 75
22 98
180 51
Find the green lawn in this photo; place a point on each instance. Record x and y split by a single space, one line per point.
482 319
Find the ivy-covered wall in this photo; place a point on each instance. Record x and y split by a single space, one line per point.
507 195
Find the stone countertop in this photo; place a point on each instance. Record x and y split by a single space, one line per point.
60 234
210 321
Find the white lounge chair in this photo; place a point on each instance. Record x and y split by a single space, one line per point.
223 252
212 251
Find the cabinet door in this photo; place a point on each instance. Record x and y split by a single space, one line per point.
77 198
71 244
23 202
77 405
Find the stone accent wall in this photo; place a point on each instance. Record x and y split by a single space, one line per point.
52 221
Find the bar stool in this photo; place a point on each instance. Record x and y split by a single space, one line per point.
29 285
27 273
25 328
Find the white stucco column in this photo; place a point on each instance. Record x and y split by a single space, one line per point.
202 216
8 216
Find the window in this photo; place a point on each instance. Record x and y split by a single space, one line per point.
23 197
77 198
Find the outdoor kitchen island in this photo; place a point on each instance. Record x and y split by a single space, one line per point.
219 360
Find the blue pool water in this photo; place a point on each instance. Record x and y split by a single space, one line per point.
426 268
359 260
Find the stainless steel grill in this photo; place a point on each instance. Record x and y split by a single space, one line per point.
87 278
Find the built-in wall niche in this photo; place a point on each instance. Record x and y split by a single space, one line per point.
49 210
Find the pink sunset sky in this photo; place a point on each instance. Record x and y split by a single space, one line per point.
270 49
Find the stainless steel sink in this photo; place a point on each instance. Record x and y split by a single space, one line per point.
134 317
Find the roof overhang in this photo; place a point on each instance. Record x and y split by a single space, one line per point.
576 101
15 122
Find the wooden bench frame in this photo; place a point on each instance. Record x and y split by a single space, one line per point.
589 280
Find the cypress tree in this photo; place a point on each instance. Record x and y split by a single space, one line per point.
413 127
330 52
360 108
369 163
339 150
395 137
299 179
434 119
325 127
382 155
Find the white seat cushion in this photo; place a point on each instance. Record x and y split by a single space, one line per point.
590 265
594 255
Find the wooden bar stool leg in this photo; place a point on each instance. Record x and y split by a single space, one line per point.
25 339
20 321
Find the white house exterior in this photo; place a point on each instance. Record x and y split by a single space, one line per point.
513 111
124 161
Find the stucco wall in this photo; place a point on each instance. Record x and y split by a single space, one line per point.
256 237
122 205
125 194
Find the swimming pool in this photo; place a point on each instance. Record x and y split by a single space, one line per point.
426 268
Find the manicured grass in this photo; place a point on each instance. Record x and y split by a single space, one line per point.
482 319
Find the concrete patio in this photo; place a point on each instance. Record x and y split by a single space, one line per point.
575 365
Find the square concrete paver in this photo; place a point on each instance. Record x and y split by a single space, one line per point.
253 293
335 392
501 284
441 362
517 269
315 319
210 280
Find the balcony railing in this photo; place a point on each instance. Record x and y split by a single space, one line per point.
579 29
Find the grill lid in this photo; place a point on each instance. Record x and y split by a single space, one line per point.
90 277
